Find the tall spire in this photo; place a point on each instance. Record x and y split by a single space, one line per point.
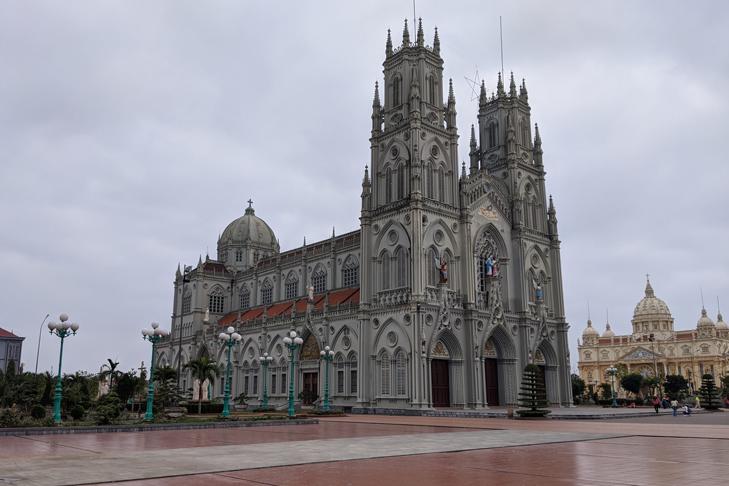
649 289
388 45
500 88
512 86
451 110
451 96
537 147
376 111
552 220
473 154
406 35
376 101
436 43
483 99
421 38
473 136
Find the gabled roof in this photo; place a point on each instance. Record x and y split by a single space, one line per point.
8 334
641 353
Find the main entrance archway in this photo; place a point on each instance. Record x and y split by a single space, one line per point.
440 376
491 374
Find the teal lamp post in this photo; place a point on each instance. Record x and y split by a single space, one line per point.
61 329
265 361
612 371
154 336
230 339
293 342
327 355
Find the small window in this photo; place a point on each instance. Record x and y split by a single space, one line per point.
588 355
402 268
266 293
186 302
605 355
350 273
686 350
273 383
353 381
284 385
670 352
704 349
245 299
340 381
385 375
238 256
429 182
216 303
292 289
320 281
431 266
245 385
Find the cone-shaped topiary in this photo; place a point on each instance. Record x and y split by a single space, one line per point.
533 395
709 393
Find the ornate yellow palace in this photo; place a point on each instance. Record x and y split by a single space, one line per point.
690 353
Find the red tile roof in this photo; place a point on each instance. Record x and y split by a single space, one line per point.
339 297
4 333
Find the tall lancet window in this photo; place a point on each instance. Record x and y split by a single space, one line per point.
400 181
431 90
525 139
402 268
441 185
385 271
396 88
492 135
429 182
388 186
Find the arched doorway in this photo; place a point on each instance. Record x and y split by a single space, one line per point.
439 376
309 358
491 373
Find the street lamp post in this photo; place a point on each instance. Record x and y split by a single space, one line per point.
265 361
230 339
327 355
61 329
612 371
154 336
652 338
293 342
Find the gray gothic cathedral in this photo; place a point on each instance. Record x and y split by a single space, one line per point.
450 287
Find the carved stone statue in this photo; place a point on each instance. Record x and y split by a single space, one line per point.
310 288
443 268
539 291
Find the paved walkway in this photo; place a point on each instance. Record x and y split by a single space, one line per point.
366 450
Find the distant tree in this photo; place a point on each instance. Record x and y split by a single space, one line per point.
653 383
124 387
607 390
203 370
109 370
166 391
709 393
675 386
578 386
632 382
533 395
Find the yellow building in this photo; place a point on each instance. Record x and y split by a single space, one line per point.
690 353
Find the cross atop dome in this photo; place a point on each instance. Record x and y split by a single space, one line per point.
249 209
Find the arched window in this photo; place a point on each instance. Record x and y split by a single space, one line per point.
535 221
384 374
525 138
238 256
353 373
532 284
487 258
402 268
429 182
320 280
543 282
441 185
431 90
350 272
396 88
388 186
292 286
245 298
400 181
433 274
340 375
385 271
266 292
493 142
216 300
186 301
401 374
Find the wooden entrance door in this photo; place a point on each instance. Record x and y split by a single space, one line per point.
311 382
439 378
492 382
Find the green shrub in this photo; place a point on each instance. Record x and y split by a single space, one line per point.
639 401
307 397
78 412
108 409
10 418
38 412
325 412
261 409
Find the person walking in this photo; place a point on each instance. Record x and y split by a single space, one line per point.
674 406
726 402
656 403
698 403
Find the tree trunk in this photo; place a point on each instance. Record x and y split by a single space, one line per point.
199 399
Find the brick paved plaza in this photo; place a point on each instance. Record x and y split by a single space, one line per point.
370 450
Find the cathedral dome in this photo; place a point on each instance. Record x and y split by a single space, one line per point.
720 324
589 330
704 320
608 333
650 305
249 226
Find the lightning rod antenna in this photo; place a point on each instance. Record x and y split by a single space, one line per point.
588 310
501 36
414 17
702 296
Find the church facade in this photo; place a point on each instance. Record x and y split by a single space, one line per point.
450 287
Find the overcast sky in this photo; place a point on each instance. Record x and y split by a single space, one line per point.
133 132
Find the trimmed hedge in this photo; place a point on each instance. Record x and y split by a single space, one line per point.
206 408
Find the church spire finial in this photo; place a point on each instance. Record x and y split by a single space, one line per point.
376 102
249 209
512 86
483 99
451 96
523 94
500 88
421 37
436 43
406 35
648 287
473 136
388 45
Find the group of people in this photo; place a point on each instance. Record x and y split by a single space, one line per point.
664 402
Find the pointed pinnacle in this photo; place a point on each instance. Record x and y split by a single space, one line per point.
551 203
421 39
473 136
376 101
463 170
537 138
388 45
482 99
436 43
451 96
512 86
406 35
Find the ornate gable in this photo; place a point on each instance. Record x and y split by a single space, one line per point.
641 353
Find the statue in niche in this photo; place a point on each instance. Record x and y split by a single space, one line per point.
443 269
310 288
539 291
495 270
489 267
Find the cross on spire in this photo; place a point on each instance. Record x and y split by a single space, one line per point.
250 203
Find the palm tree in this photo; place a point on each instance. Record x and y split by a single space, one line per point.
203 369
110 370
